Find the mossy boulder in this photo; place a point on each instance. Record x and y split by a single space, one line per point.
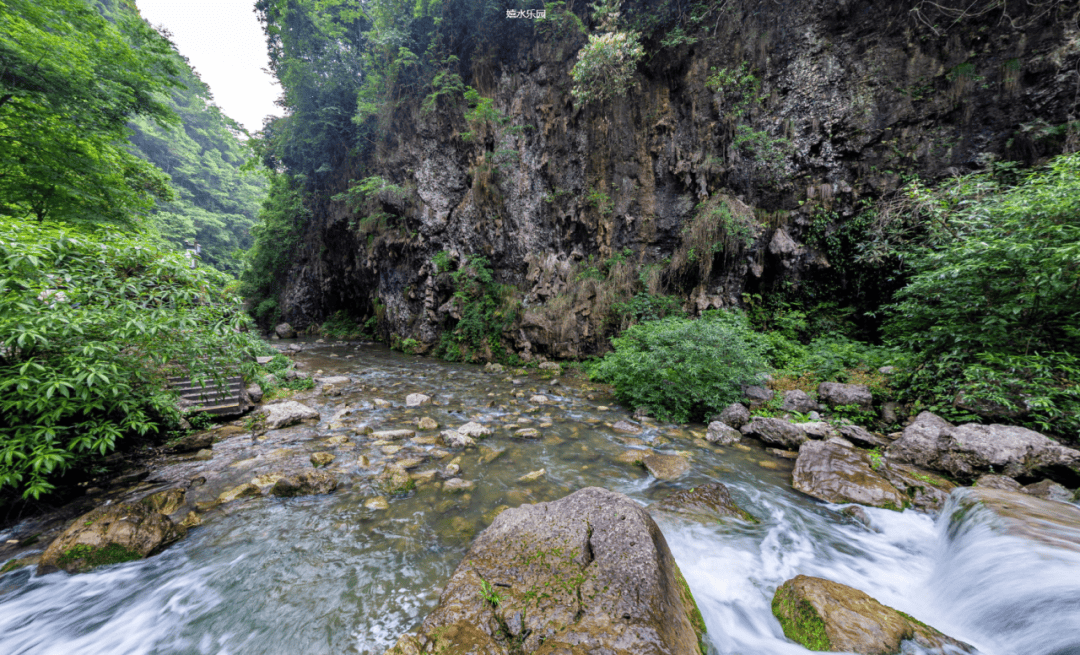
822 615
710 502
839 473
589 573
108 535
305 483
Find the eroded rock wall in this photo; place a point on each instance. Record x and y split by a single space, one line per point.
850 98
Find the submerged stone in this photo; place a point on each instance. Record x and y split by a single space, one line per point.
666 467
708 501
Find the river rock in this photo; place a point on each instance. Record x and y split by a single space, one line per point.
321 459
825 615
775 431
994 481
427 423
925 491
263 360
534 476
393 435
166 502
666 467
590 573
394 479
285 331
1047 489
286 413
967 451
862 437
550 366
255 392
626 427
376 503
539 399
305 483
193 442
835 394
454 439
736 415
417 400
723 434
246 490
475 430
1015 514
818 429
838 474
114 533
758 396
796 400
456 485
709 501
527 433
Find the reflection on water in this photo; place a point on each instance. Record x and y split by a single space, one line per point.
323 574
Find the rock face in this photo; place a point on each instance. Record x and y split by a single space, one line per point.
828 616
840 474
284 414
110 534
834 394
970 450
775 431
285 331
590 573
709 502
722 434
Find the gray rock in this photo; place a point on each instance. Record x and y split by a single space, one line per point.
286 413
796 400
306 483
722 434
775 431
736 415
193 442
321 459
709 501
968 451
817 429
626 427
666 467
417 400
887 370
993 481
455 485
285 331
295 347
255 392
454 439
839 474
474 430
336 380
393 435
834 394
1049 490
492 367
862 437
108 535
824 615
758 396
890 413
1018 515
263 361
625 595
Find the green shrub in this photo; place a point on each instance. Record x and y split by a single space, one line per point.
92 321
605 66
684 369
486 308
989 316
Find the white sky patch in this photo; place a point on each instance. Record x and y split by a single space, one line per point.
225 44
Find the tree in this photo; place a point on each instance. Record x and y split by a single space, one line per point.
69 81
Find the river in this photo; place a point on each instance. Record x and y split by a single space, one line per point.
326 575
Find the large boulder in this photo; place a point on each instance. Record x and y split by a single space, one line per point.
835 394
722 434
709 501
775 431
825 615
285 331
966 452
796 400
862 437
758 396
590 573
736 415
286 413
836 473
110 534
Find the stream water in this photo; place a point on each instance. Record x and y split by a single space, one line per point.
325 574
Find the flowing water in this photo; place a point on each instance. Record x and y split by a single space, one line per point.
325 574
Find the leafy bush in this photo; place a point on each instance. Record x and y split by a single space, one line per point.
990 315
605 66
684 369
91 323
486 309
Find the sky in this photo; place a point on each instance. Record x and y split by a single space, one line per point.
224 43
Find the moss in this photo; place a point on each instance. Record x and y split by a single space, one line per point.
799 619
86 557
696 619
11 565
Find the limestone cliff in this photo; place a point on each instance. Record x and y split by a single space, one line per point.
706 179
